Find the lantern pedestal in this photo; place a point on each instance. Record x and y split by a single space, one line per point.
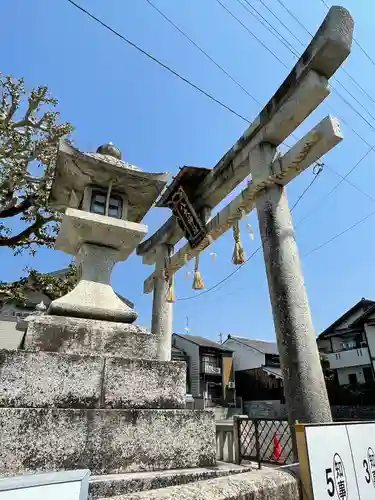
93 297
98 242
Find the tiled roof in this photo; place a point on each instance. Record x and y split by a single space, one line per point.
259 345
364 304
276 372
202 342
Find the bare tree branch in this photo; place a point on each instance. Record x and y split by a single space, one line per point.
29 135
23 235
12 210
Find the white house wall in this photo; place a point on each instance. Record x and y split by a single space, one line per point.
10 338
244 357
343 374
370 332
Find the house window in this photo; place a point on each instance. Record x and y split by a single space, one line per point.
352 378
272 360
99 201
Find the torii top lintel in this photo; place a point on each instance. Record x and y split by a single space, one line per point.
303 90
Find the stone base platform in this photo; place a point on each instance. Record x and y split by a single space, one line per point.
104 441
88 336
53 379
265 484
122 484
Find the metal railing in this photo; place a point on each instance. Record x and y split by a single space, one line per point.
262 440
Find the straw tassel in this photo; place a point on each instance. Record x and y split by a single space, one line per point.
239 256
249 229
212 253
170 297
197 281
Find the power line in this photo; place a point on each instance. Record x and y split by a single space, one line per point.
295 54
245 90
226 278
174 72
268 26
340 95
202 51
350 183
355 41
221 281
340 234
163 65
278 19
327 242
250 32
319 247
207 55
357 84
339 183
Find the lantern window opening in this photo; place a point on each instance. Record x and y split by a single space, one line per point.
100 204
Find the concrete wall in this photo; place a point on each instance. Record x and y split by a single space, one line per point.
274 409
353 412
192 351
244 357
265 409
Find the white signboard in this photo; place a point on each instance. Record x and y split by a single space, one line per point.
70 485
362 442
341 460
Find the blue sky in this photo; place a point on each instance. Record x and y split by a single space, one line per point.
110 92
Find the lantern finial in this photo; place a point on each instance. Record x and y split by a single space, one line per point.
110 150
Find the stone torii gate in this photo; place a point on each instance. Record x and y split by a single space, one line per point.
255 155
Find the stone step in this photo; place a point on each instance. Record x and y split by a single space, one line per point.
88 336
59 380
121 484
104 441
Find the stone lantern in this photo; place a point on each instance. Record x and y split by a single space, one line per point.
104 200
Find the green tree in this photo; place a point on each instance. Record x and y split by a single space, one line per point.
54 286
29 136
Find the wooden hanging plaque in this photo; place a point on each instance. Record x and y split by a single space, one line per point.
187 218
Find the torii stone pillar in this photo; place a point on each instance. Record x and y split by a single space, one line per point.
162 311
305 389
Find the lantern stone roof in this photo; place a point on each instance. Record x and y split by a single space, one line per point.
113 160
76 170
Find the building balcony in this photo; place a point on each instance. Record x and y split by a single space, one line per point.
210 369
348 358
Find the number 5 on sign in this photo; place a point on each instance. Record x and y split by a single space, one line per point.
362 441
326 465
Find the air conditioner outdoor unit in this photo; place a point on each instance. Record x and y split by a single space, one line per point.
231 385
